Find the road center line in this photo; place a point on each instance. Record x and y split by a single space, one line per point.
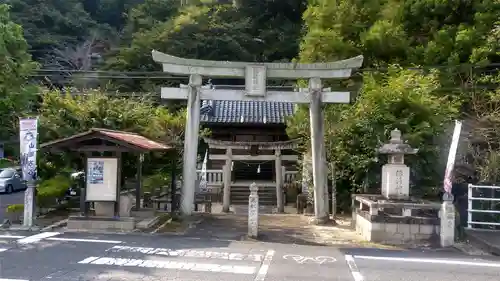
264 267
436 261
84 240
37 237
353 268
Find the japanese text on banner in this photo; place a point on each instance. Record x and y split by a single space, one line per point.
28 133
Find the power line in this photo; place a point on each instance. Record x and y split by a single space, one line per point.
370 69
116 77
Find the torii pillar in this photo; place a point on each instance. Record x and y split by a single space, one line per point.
255 75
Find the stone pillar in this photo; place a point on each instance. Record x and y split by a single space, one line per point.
191 145
396 181
226 200
279 182
447 218
253 211
318 151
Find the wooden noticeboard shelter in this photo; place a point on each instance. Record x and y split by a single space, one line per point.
103 173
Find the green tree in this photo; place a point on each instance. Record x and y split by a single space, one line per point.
415 32
403 99
408 33
268 31
65 115
16 97
53 23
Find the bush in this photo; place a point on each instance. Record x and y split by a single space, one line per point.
49 190
15 208
153 182
6 163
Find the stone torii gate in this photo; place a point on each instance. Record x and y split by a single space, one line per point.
255 75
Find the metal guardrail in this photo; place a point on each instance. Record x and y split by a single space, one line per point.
479 203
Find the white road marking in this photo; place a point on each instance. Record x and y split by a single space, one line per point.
264 267
207 267
8 279
11 237
88 260
189 253
304 259
437 261
353 268
37 237
84 240
3 249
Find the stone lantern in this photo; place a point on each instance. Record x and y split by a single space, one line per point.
395 174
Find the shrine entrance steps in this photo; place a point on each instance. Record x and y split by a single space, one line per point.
240 192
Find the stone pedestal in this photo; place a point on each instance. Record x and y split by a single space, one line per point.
396 181
447 218
104 209
253 211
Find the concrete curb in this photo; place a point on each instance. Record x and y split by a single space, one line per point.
136 232
145 224
55 225
161 226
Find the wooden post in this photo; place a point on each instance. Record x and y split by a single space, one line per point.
138 186
279 182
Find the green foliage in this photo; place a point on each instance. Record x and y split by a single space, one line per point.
65 115
148 14
402 99
16 97
15 208
6 163
49 190
53 23
209 31
421 32
409 33
153 182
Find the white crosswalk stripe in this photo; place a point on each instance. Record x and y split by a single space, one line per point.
255 263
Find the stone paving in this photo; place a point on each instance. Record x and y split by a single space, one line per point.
287 228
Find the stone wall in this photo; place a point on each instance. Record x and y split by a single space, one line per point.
396 233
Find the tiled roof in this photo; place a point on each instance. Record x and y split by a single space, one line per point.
131 140
264 112
134 139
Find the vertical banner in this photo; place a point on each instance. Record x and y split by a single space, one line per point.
447 184
203 179
28 134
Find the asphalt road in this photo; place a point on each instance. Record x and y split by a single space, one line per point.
9 199
69 257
